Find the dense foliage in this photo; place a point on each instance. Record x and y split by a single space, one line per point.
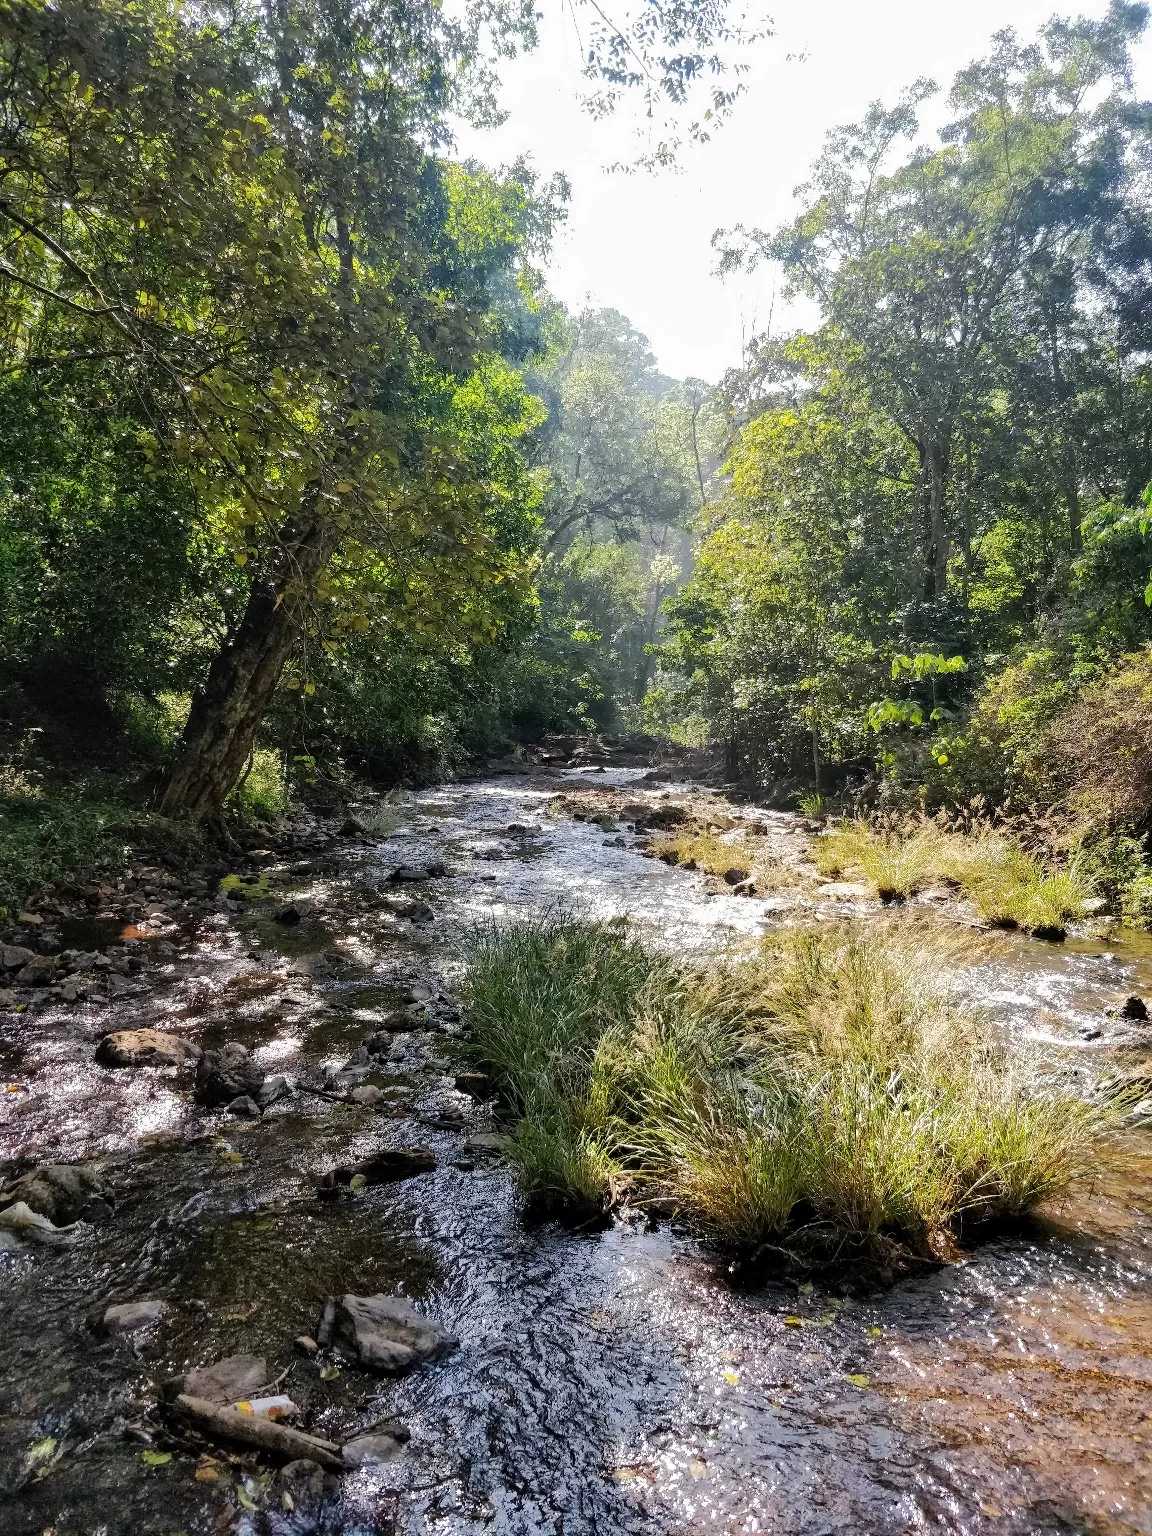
935 503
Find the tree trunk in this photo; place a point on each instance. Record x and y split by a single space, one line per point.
934 469
227 712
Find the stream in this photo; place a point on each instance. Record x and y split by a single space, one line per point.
626 1380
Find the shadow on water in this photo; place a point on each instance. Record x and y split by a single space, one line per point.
611 1382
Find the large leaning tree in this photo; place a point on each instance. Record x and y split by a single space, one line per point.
243 214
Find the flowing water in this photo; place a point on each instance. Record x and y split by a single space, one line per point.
624 1380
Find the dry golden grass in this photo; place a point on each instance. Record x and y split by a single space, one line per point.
1008 886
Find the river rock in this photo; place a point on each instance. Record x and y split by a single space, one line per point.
366 1450
410 907
131 1316
238 1376
412 874
274 1088
37 971
386 1333
1135 1008
224 1075
19 1221
478 1085
246 1107
13 957
367 1094
64 1193
302 1485
145 1048
391 1165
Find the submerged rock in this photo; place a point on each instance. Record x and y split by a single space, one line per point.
368 1449
386 1333
131 1316
145 1048
237 1376
227 1074
64 1193
18 1220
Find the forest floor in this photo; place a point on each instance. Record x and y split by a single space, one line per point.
626 1379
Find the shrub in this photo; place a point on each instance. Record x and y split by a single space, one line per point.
1099 749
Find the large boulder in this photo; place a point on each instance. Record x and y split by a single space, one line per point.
386 1333
145 1048
13 957
227 1074
64 1194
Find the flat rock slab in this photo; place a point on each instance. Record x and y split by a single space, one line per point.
386 1333
64 1193
131 1316
228 1380
145 1048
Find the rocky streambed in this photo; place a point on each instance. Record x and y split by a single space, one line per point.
291 1191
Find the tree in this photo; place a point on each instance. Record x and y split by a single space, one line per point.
921 270
239 213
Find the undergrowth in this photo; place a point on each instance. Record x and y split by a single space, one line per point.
824 1094
1008 886
52 832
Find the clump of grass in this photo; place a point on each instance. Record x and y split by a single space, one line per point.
542 996
699 848
1009 886
826 1093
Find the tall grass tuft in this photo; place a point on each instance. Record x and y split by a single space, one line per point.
826 1092
1008 886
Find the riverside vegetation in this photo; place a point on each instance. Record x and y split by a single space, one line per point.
824 1095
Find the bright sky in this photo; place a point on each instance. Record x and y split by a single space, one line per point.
641 243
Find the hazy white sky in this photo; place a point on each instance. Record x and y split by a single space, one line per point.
640 243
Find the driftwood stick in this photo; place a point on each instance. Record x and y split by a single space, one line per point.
264 1434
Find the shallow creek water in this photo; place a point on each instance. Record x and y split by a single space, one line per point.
625 1380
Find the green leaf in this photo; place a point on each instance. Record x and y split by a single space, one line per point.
156 1458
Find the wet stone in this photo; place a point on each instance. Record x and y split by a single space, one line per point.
367 1094
13 957
37 971
227 1074
145 1048
366 1450
386 1333
247 1108
1135 1008
238 1376
132 1316
64 1193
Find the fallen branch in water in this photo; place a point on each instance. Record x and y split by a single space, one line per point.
264 1434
